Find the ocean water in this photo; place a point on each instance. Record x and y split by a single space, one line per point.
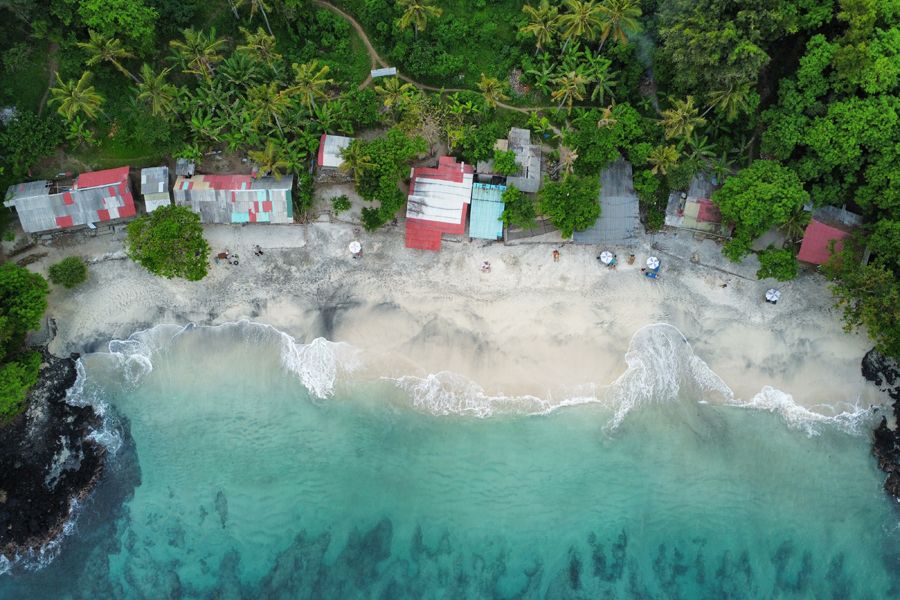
245 465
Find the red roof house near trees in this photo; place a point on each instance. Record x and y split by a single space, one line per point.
827 224
438 203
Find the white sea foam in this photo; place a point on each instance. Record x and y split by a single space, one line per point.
853 420
318 363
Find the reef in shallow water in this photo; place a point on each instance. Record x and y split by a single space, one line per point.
46 461
885 373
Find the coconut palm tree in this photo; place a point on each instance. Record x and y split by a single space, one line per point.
568 88
417 13
663 158
543 23
310 82
732 100
261 47
76 97
240 71
154 91
101 48
582 21
356 160
606 118
620 17
681 119
701 149
268 104
270 160
199 52
597 68
567 158
259 6
795 227
394 93
492 90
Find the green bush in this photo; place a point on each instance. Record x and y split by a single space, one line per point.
777 264
505 162
340 204
16 378
68 272
518 209
572 203
169 242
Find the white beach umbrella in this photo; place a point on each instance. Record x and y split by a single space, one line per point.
653 263
773 295
606 257
355 247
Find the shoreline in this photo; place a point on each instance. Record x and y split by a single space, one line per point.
530 326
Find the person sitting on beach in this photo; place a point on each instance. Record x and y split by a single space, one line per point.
612 264
651 274
485 267
257 250
555 255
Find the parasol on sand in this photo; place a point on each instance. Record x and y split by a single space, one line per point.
606 257
653 263
773 295
355 247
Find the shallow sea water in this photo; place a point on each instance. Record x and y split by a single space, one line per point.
230 479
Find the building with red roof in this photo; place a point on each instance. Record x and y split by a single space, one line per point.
828 224
438 203
92 197
236 198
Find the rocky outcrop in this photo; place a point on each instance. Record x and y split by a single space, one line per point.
885 373
46 461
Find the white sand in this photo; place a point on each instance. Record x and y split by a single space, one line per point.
530 326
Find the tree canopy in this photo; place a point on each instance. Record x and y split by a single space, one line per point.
572 203
169 242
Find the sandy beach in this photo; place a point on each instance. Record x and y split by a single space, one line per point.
519 330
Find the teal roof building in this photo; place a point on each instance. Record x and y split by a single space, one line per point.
487 208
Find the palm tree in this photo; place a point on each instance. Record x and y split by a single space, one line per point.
270 160
795 227
256 6
619 18
394 92
567 158
701 149
492 90
732 100
199 52
261 47
569 87
76 97
267 104
542 74
417 13
583 20
106 49
606 118
156 92
356 160
662 158
543 23
597 69
240 71
680 120
310 82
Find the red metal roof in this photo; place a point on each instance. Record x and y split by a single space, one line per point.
101 178
447 170
709 212
816 240
228 182
420 236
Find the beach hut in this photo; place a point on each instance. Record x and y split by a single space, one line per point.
330 147
155 187
693 210
828 224
93 197
438 203
619 219
485 222
528 159
236 198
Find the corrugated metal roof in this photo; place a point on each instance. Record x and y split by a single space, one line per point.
439 194
236 198
528 157
619 212
487 209
330 147
385 72
107 177
816 241
154 180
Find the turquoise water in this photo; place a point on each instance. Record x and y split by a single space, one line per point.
237 482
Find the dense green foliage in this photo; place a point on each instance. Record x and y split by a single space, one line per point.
780 264
760 196
340 204
69 272
27 139
572 203
518 209
23 300
169 242
505 162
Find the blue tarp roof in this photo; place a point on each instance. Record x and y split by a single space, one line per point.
487 207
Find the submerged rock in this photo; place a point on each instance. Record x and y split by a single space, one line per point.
47 461
884 372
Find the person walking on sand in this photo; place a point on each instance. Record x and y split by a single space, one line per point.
555 255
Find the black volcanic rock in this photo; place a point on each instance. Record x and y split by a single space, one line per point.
46 460
885 373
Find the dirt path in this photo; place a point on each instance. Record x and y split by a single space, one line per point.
53 63
376 59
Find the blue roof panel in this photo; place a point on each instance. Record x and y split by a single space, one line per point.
487 208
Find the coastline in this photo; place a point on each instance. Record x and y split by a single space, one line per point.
48 463
530 326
